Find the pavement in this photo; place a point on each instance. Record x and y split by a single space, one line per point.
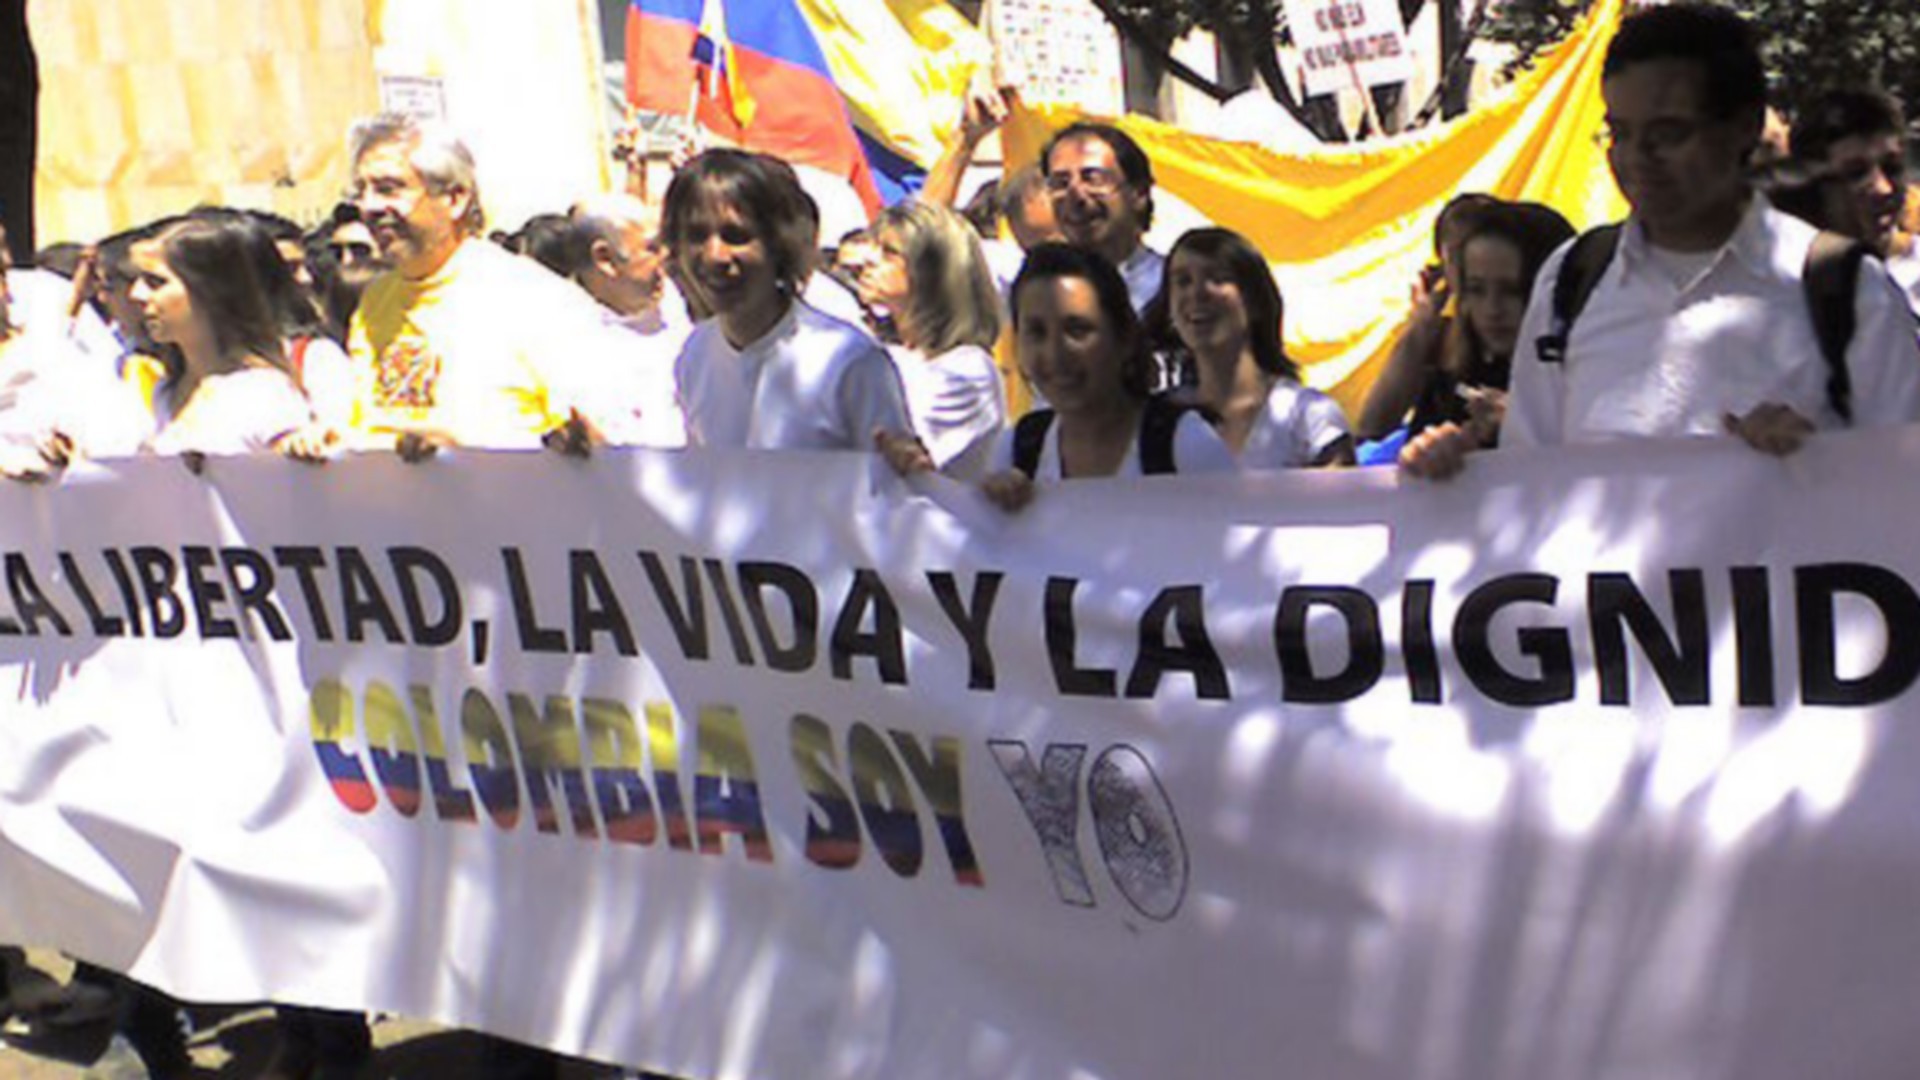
233 1043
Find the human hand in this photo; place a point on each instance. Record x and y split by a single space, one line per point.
907 454
41 462
1430 293
1011 491
313 444
576 438
415 447
1770 428
985 109
1438 453
1486 411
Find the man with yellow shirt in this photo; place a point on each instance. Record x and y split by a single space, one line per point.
461 343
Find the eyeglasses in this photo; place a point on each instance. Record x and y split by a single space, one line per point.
1093 179
1659 138
352 251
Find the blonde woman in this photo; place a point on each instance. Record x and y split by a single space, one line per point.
933 279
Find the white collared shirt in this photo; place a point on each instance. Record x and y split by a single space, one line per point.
1650 358
1905 269
810 383
636 402
1297 425
1143 270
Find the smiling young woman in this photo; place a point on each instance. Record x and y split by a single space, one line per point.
932 275
1220 307
1080 345
767 371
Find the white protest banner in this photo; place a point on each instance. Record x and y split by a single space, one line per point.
730 765
1348 44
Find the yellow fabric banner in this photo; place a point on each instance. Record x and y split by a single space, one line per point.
1348 231
903 66
152 108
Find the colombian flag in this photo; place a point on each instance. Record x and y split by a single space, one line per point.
775 93
716 72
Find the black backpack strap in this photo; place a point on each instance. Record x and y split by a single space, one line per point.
1157 427
1831 279
1573 286
1029 437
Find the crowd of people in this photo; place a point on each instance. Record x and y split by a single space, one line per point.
1756 292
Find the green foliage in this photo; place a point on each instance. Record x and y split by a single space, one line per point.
1169 20
1811 46
1817 45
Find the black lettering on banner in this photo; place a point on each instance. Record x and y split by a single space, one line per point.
885 801
409 564
729 612
833 828
104 625
803 612
1050 796
596 607
971 620
1753 635
1615 605
30 603
207 592
686 611
1062 643
534 638
1139 833
1550 647
1366 653
883 644
122 580
1416 643
361 601
156 572
254 594
1185 607
1815 590
306 563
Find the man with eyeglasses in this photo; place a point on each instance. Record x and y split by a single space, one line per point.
1101 186
1851 143
1698 321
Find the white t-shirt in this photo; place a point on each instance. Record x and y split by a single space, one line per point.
827 294
1196 449
326 374
635 402
241 412
1294 429
1905 269
59 374
810 383
957 404
1004 260
1648 359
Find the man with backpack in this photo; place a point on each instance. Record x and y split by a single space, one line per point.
1707 310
